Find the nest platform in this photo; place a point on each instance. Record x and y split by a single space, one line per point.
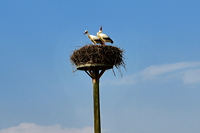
92 66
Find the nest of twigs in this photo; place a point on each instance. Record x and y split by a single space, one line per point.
103 54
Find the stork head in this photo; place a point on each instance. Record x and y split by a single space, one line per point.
86 32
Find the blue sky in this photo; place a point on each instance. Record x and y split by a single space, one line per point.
159 91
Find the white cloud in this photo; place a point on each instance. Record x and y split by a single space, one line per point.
187 72
192 76
33 128
156 70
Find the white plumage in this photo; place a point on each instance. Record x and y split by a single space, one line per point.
93 38
104 37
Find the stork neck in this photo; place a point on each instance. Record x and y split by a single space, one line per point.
100 31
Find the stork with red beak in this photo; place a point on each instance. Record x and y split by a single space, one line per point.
93 38
104 38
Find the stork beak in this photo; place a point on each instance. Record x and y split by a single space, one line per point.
101 28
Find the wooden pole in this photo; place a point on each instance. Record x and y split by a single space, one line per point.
95 74
96 101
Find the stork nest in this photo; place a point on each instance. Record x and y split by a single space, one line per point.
98 54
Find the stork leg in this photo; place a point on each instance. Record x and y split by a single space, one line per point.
103 43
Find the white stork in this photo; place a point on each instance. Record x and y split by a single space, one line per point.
93 38
104 37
